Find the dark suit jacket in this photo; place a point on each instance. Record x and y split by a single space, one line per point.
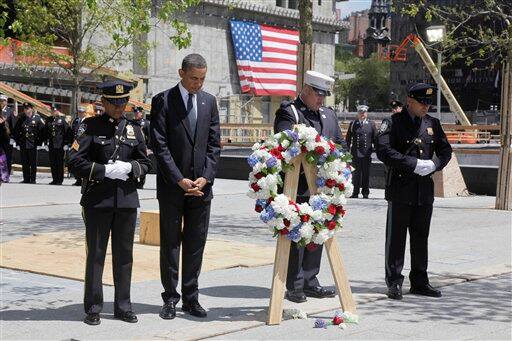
178 155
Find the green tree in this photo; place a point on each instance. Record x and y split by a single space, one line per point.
370 85
96 33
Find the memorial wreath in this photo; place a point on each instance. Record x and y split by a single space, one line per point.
314 222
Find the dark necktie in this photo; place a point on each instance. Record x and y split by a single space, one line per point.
192 114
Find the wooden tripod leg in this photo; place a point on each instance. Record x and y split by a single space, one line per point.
340 277
278 281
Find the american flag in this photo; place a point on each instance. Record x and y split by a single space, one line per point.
266 58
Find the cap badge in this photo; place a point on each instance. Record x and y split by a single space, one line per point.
429 91
119 89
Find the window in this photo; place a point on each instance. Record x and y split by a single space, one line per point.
279 3
319 2
293 4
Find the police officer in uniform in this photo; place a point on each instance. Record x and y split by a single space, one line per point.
7 142
58 132
144 126
307 108
29 133
360 138
413 145
110 155
74 128
396 106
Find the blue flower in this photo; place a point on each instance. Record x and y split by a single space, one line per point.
270 209
271 162
252 160
322 159
265 216
346 172
261 202
294 234
336 153
294 136
294 151
320 182
318 203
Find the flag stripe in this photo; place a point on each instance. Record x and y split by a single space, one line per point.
266 58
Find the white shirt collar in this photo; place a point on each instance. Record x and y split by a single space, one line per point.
184 96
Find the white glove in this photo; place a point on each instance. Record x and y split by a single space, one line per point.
424 167
118 170
66 148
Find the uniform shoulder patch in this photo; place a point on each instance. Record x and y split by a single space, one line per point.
285 104
384 126
81 129
75 145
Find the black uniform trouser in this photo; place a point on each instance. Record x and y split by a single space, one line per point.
400 218
142 181
194 214
99 223
303 264
361 175
57 164
29 164
8 155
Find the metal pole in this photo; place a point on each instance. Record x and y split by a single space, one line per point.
438 80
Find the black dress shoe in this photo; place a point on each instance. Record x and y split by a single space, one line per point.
194 308
127 316
296 296
168 311
319 292
51 183
426 290
92 319
395 292
365 196
354 196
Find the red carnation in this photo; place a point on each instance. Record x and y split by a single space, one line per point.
340 210
318 138
304 218
311 246
258 208
337 320
280 148
255 187
331 209
303 149
258 175
284 231
286 222
320 150
331 225
341 187
330 183
332 147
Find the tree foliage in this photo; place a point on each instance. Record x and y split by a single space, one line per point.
95 32
478 32
370 85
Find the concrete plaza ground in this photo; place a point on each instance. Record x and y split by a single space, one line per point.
470 261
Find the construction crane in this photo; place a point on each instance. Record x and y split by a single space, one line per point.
398 53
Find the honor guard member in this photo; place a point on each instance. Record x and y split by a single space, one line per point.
80 116
412 145
29 133
110 156
396 106
360 138
8 143
308 109
58 132
144 126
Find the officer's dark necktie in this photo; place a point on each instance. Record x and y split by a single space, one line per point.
191 114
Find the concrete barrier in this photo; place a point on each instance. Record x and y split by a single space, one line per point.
480 180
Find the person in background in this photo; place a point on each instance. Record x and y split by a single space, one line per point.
57 130
360 139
